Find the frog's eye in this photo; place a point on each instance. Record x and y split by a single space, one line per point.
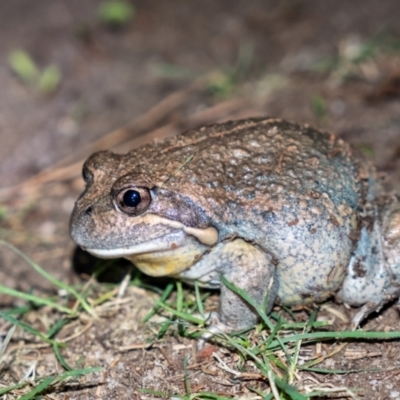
133 201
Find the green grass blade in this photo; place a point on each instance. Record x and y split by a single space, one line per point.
158 393
249 300
341 371
208 396
163 328
163 297
39 388
179 297
311 320
60 358
182 315
46 382
264 368
186 376
18 310
199 302
300 325
51 278
315 336
27 328
269 397
289 390
57 327
11 388
273 334
257 307
78 372
34 299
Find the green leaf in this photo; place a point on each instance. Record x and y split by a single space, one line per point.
49 80
318 106
23 66
116 13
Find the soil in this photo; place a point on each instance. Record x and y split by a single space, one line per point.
196 62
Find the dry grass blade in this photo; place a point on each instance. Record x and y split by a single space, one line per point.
116 140
214 113
3 346
142 124
274 389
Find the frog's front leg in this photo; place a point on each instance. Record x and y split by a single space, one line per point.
248 267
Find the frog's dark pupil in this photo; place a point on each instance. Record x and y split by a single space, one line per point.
131 198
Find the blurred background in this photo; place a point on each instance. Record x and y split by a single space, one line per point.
73 71
79 76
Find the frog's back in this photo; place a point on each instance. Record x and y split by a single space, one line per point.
291 189
256 171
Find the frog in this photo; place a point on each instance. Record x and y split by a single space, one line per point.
287 213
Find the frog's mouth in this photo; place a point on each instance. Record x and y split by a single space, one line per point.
166 255
165 243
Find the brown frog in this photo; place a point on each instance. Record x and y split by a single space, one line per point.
283 211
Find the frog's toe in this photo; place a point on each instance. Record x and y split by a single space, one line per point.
215 327
375 306
365 310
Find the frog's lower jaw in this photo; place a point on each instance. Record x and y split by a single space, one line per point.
167 255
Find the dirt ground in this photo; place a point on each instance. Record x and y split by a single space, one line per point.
178 64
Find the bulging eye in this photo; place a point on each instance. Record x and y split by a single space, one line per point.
133 201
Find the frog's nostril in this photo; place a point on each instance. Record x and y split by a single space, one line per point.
89 210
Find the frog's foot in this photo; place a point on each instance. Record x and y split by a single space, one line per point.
365 310
215 327
371 306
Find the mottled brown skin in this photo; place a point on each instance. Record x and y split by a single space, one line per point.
275 207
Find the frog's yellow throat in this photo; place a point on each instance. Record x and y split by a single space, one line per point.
169 262
174 260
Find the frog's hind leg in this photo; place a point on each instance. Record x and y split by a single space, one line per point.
391 237
369 281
